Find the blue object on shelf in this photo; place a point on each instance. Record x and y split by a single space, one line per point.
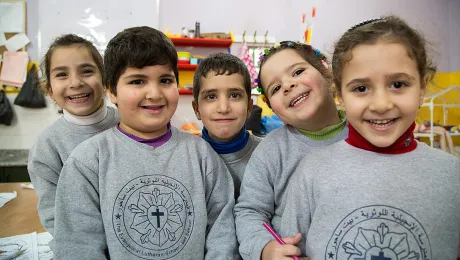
270 123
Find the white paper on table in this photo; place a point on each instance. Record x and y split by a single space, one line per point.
26 242
44 251
17 42
2 39
28 186
7 196
12 17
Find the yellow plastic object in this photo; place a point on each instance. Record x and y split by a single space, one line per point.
183 55
185 77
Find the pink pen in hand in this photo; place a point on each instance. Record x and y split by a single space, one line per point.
278 238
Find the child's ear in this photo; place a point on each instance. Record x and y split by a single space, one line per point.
422 96
195 108
423 87
112 96
340 98
250 105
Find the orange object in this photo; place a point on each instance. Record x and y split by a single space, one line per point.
189 127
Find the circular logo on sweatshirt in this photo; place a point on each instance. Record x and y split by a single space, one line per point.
379 232
153 217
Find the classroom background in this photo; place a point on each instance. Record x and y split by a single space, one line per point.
255 24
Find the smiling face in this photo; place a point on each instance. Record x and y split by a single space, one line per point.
147 99
76 82
381 91
223 105
296 90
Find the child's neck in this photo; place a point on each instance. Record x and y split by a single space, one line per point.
326 116
91 119
233 146
155 141
143 135
405 143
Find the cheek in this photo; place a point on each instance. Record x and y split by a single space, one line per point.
95 83
276 104
173 97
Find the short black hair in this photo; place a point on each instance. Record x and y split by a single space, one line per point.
137 47
221 64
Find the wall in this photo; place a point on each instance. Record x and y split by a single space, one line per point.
26 125
280 18
454 35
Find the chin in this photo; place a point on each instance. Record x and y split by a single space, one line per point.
382 143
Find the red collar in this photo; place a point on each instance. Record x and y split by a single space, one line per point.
406 143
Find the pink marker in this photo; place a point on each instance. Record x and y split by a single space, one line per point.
277 237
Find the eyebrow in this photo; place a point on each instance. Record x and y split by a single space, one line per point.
400 75
143 76
206 91
387 77
358 81
285 70
83 65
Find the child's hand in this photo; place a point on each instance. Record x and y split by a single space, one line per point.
273 250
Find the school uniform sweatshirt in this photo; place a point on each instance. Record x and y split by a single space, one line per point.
126 200
359 204
267 174
236 162
49 153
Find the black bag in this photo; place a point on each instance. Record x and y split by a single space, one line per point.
254 121
6 112
30 95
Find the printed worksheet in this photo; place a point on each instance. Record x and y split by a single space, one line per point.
23 247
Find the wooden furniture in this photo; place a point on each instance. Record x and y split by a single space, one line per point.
20 215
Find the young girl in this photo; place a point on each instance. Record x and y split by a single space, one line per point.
74 71
143 189
296 80
379 194
222 99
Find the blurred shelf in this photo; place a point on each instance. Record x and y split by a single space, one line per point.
202 42
183 91
187 67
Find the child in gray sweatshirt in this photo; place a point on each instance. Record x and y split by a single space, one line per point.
222 100
143 189
74 72
379 194
296 81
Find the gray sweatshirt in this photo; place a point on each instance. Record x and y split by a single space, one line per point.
265 181
236 162
129 200
358 204
49 153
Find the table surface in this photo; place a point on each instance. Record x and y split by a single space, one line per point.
20 215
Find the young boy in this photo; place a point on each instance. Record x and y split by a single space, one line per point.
143 189
222 100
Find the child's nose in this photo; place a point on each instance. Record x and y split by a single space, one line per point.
153 92
75 81
224 105
288 86
381 101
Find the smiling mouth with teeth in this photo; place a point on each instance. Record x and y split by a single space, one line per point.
382 123
77 97
153 107
299 99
